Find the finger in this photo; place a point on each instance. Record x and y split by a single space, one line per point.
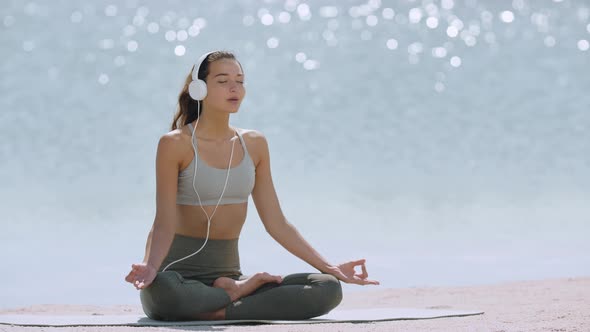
131 276
359 262
350 280
367 282
364 274
357 281
352 264
137 267
144 284
371 282
139 284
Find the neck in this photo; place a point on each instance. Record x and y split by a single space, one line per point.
214 126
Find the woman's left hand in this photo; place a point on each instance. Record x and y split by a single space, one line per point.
345 272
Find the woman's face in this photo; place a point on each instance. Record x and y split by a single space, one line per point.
225 85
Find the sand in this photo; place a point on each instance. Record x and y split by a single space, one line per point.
538 305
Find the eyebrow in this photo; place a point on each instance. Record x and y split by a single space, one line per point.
225 75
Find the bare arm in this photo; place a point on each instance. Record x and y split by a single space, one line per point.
275 223
162 232
287 236
148 244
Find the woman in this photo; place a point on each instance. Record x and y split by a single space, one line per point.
191 268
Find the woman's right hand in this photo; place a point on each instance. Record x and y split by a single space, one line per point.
141 275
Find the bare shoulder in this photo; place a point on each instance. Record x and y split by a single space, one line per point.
172 144
170 139
255 142
251 134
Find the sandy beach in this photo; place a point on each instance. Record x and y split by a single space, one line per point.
539 305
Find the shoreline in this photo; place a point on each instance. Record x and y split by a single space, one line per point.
559 304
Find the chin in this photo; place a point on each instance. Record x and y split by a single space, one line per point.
227 109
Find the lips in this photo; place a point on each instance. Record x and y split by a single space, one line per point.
232 99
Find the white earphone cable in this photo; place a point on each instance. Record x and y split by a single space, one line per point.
193 142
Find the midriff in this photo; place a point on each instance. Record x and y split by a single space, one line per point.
226 223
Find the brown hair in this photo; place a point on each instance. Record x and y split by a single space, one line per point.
187 110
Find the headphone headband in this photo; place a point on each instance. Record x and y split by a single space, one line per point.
195 73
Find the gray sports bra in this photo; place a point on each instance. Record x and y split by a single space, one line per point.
209 181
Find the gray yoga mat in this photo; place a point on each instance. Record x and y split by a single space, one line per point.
336 316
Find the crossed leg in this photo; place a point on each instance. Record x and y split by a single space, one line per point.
261 296
297 296
237 289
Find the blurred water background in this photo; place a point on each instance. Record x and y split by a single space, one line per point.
445 141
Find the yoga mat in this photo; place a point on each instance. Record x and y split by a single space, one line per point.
336 316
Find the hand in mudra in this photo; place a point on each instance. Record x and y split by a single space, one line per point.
346 272
141 275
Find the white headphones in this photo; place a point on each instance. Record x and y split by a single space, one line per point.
197 89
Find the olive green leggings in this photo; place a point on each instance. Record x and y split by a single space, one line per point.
184 290
300 296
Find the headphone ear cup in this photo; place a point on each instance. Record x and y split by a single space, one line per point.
197 89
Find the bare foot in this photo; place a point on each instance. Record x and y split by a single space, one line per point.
238 289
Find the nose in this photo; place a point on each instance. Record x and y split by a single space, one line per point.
233 86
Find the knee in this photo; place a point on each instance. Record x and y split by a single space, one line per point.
171 297
331 291
158 297
327 294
